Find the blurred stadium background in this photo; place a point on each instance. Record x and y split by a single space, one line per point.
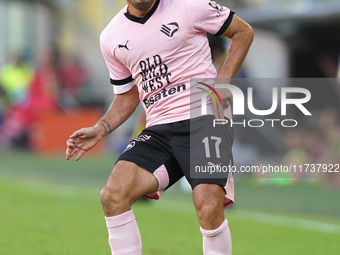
53 80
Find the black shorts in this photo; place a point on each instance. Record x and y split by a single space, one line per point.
191 148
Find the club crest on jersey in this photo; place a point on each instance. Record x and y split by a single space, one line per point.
123 46
217 7
170 29
130 146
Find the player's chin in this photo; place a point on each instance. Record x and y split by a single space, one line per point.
143 5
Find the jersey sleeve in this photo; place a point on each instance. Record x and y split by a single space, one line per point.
120 76
209 16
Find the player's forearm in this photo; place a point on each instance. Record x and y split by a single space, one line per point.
240 44
119 111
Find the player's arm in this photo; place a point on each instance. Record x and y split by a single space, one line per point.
241 35
121 108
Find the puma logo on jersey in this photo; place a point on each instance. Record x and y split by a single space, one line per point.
170 29
123 46
212 164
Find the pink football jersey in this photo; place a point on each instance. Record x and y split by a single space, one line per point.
161 52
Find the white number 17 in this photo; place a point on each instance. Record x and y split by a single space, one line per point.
217 146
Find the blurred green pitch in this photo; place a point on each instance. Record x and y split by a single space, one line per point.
50 206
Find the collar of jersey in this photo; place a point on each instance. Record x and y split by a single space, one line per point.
145 18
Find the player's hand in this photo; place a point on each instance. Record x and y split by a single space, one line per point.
82 141
227 100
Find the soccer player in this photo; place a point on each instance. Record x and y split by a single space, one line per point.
152 49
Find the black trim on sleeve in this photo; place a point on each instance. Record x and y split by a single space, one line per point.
226 23
146 17
121 82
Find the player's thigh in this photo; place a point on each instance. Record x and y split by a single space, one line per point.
205 154
146 167
130 181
